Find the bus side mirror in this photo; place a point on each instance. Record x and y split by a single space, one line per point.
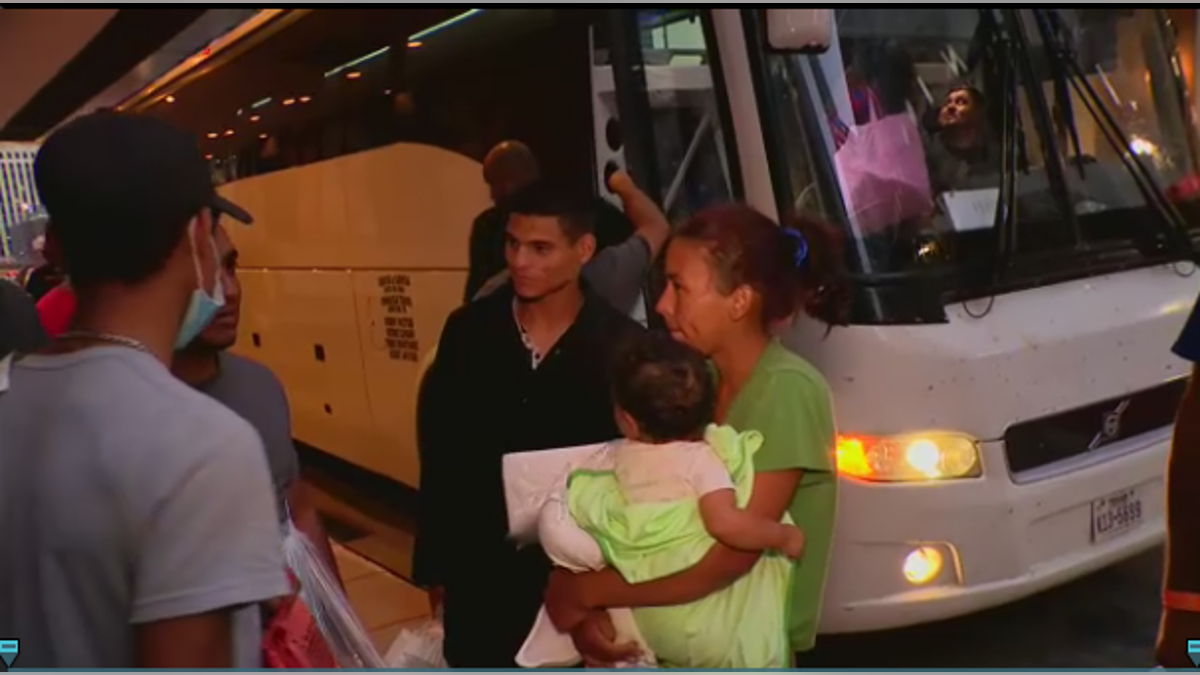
800 30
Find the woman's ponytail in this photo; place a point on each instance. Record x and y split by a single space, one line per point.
821 273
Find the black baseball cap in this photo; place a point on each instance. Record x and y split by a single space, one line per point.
113 169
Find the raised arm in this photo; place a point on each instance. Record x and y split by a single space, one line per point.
649 222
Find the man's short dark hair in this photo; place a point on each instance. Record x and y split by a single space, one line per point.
665 386
576 216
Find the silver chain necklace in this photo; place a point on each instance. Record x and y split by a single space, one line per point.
119 340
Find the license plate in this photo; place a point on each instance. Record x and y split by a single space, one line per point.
1115 514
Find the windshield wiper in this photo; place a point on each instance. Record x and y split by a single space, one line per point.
1044 123
1064 113
994 49
1060 50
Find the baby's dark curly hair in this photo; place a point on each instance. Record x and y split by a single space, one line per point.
665 386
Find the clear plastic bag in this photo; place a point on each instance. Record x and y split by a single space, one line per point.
419 647
322 594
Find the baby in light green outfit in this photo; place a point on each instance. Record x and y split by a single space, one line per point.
678 484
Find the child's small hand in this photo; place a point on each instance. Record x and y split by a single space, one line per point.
793 542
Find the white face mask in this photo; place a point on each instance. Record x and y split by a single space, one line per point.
5 368
202 307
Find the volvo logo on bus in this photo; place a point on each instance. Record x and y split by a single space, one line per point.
1110 426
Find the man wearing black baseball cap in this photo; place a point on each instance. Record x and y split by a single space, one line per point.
139 511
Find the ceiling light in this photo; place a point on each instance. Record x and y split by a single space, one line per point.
169 99
416 37
414 44
229 132
255 118
213 134
263 136
362 59
289 101
208 157
305 99
353 75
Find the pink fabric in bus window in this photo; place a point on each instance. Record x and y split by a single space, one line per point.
883 173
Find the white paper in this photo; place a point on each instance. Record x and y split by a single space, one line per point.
971 209
531 477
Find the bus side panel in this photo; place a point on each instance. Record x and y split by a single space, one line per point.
349 272
402 206
400 314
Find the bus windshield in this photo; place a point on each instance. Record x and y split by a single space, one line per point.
945 138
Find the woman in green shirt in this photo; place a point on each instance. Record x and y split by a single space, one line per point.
733 276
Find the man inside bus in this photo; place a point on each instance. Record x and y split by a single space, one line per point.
522 369
617 273
1180 621
143 527
507 169
252 391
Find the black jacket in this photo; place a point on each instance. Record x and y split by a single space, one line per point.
481 400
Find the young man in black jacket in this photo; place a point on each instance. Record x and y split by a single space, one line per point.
525 368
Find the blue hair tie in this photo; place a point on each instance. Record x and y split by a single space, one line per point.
801 246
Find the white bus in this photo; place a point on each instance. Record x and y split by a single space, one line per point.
1006 389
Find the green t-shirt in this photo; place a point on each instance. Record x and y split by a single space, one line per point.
789 403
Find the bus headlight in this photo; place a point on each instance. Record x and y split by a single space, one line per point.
910 458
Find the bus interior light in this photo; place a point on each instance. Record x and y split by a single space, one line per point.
212 134
921 457
255 118
305 99
260 103
289 101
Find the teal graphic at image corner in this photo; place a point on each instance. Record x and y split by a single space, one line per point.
9 649
1193 648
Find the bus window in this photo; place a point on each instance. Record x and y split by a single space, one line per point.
689 149
907 111
340 82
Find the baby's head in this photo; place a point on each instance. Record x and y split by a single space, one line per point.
662 390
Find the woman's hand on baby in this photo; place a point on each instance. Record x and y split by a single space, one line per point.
596 639
793 542
564 602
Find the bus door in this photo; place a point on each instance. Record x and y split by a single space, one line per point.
657 113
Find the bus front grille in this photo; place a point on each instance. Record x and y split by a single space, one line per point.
1036 443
